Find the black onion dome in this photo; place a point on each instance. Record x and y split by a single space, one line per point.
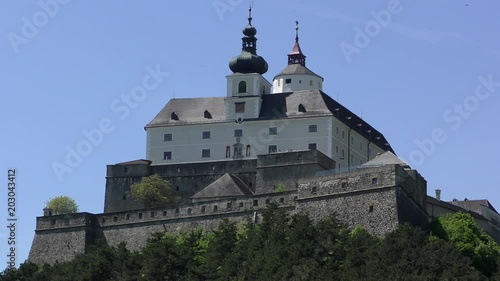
249 30
248 61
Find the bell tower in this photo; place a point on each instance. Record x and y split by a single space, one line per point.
246 85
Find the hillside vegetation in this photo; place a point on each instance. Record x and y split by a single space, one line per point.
289 248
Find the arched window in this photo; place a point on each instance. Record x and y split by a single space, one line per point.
242 87
247 152
228 151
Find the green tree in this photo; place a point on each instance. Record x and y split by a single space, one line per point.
473 242
62 205
153 191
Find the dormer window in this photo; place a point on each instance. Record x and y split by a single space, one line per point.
302 108
242 87
207 115
174 116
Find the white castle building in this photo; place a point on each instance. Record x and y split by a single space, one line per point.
257 117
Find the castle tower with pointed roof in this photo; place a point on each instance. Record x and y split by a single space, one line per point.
296 76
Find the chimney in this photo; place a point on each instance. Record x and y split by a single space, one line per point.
438 194
47 212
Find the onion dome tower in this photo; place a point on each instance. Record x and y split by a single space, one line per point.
246 85
296 76
248 61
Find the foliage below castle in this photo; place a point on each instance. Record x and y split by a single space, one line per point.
287 247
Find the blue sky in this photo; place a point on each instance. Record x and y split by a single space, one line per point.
415 70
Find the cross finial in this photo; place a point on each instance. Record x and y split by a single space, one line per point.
297 31
250 15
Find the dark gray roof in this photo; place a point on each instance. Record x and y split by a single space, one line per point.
474 205
190 111
386 158
226 186
296 69
282 105
136 162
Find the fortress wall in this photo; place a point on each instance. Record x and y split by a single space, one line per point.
413 183
374 209
60 238
409 210
186 179
355 180
135 228
200 209
288 168
205 168
136 235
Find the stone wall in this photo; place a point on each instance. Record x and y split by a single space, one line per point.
186 179
261 175
376 198
60 238
287 168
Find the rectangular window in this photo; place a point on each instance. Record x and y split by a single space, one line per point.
205 153
167 155
167 137
273 131
361 146
313 128
273 149
337 130
352 158
343 134
312 146
205 135
343 155
337 149
288 81
352 139
238 133
239 107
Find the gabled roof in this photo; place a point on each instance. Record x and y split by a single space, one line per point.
226 186
386 158
296 69
190 110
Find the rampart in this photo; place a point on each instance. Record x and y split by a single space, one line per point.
261 175
377 198
60 238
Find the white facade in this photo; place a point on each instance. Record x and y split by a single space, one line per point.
296 82
190 143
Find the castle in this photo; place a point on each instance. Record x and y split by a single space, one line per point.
287 143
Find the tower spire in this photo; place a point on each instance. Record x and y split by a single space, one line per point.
297 31
248 61
296 56
250 15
